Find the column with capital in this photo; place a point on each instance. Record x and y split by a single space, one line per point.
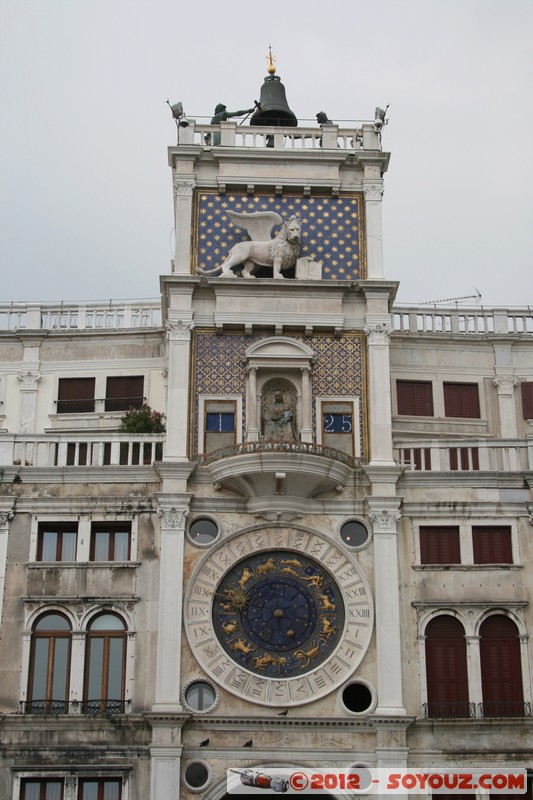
379 393
373 194
183 199
6 515
306 429
173 511
505 385
28 379
384 514
252 426
179 327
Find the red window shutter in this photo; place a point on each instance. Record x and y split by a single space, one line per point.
492 544
461 400
501 669
527 400
446 671
439 545
415 398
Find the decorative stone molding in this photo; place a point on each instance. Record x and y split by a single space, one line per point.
469 613
173 517
373 191
6 516
378 334
505 385
384 521
183 188
29 379
180 330
530 514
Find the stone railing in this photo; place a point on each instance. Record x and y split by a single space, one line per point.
278 447
359 136
478 320
465 455
110 315
80 449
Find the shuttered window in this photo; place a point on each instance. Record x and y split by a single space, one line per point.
75 395
439 545
461 400
446 672
501 670
527 400
415 398
124 392
492 544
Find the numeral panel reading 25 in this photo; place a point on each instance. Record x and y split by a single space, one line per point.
337 423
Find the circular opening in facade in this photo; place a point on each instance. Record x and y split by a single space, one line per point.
354 533
203 531
196 775
200 696
357 697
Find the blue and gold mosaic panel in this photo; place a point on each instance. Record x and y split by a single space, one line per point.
218 369
331 229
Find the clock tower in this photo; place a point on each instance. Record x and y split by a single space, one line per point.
278 607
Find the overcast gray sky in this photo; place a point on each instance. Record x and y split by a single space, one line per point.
86 193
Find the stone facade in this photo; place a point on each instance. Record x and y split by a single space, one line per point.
170 599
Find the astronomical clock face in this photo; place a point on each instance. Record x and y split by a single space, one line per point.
278 616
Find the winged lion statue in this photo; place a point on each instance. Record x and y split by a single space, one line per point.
280 253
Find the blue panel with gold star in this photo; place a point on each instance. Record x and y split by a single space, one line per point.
331 229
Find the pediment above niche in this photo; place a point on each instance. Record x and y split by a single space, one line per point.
279 351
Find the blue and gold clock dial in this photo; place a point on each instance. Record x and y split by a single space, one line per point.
278 614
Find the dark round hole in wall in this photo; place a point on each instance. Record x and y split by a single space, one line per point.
354 533
203 531
357 697
196 775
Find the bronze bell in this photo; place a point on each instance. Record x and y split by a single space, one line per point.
274 108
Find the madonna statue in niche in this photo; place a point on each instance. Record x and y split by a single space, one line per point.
278 412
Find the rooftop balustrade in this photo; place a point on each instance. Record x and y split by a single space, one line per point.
461 320
354 136
124 315
111 315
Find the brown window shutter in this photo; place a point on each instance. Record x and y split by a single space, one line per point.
439 545
492 544
501 669
75 395
415 398
446 671
527 400
461 400
124 392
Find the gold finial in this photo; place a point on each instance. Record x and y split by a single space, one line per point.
271 69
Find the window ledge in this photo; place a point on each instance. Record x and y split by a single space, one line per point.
466 567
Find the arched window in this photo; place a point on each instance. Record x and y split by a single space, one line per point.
501 670
447 677
49 665
105 662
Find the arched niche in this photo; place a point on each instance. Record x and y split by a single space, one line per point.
282 359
